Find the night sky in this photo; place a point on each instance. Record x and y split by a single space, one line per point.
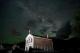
40 16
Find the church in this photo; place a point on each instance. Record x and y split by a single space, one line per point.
32 41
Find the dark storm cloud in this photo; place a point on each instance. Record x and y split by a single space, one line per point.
38 15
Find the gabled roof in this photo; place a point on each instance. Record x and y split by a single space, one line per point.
41 37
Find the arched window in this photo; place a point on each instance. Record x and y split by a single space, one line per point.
29 40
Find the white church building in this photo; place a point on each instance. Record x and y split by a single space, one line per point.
38 42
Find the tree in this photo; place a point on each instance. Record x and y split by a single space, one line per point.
76 24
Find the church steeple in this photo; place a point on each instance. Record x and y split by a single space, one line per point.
29 31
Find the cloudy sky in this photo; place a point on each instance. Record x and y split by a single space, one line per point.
38 15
